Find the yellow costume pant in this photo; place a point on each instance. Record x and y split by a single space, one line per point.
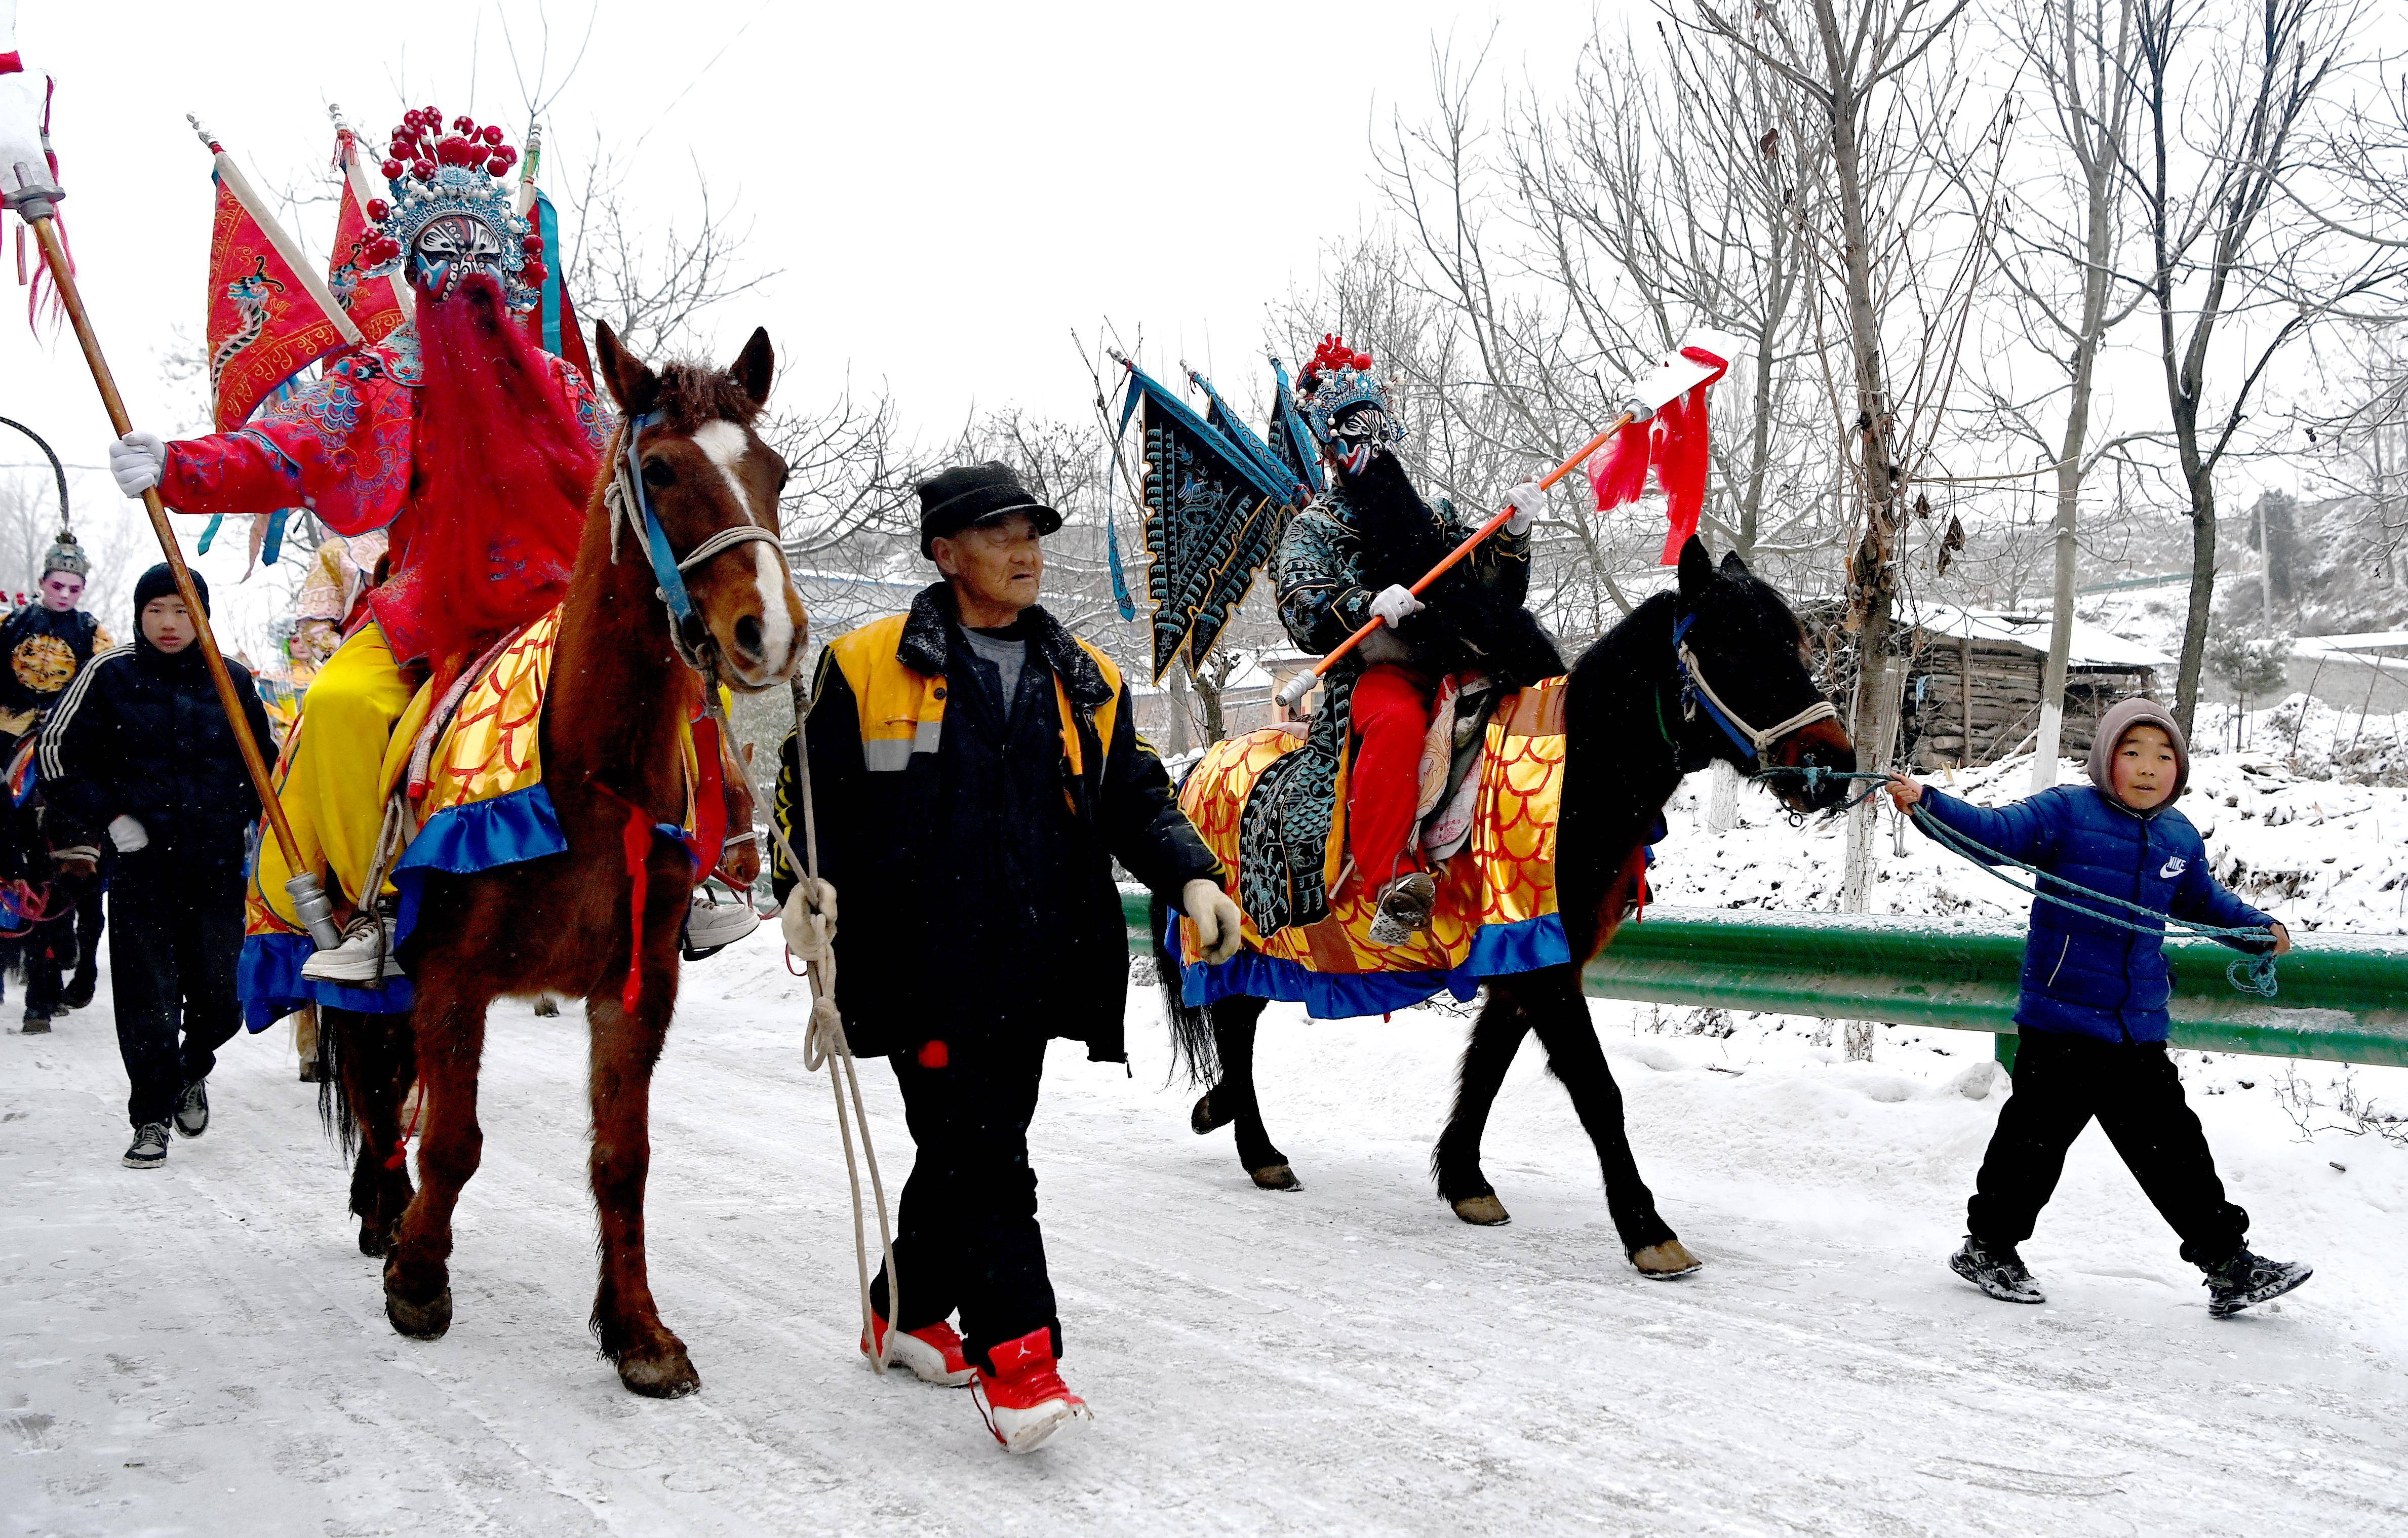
331 777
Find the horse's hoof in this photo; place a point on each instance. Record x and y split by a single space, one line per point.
1277 1177
1487 1211
419 1321
1664 1261
1204 1119
373 1240
668 1374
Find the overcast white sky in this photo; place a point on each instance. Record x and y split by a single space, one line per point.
946 189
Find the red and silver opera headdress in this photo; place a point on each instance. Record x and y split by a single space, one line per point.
1346 405
451 211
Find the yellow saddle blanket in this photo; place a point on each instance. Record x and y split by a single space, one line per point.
1496 895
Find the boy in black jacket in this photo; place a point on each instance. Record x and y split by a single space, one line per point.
140 751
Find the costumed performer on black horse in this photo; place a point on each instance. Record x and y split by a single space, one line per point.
1348 558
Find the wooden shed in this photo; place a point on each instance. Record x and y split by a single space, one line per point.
1973 684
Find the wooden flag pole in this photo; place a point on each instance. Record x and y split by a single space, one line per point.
55 257
1302 684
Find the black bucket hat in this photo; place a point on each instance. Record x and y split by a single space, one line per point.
967 495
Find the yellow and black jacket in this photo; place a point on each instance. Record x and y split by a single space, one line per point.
971 843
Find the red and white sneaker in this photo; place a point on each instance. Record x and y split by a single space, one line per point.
933 1353
1024 1399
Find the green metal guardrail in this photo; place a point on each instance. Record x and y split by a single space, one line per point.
2345 997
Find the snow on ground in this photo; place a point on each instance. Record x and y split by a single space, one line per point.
203 1349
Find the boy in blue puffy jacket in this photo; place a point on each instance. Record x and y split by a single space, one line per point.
2092 1016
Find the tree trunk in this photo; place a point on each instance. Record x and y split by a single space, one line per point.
1176 731
2202 595
1208 691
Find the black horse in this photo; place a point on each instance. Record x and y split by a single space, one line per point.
1687 677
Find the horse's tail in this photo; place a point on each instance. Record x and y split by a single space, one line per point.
335 1113
1193 1048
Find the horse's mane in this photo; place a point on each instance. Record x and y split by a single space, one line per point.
693 393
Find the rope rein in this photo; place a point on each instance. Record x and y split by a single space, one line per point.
2254 973
825 1044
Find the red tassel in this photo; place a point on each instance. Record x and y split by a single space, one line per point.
635 842
1681 460
710 799
1619 475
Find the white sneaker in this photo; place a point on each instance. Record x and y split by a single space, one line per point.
359 961
711 924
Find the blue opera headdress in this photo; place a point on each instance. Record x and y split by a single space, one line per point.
1338 385
434 175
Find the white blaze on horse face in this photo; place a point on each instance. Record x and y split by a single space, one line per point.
777 625
725 444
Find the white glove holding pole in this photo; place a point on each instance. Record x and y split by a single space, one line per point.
1219 925
1526 501
138 460
1394 605
809 920
128 834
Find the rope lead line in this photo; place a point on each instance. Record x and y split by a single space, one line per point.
2252 973
824 1043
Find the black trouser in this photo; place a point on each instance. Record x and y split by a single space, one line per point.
2061 1081
171 969
968 1237
90 923
49 950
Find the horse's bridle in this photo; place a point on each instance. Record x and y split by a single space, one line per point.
1697 694
633 504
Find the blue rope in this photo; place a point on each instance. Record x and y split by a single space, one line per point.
2251 973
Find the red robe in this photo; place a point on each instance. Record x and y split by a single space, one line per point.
342 447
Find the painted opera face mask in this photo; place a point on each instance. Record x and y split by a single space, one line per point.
1358 435
451 248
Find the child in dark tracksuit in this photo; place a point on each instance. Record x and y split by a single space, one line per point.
138 752
2092 1017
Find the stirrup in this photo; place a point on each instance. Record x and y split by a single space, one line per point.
1407 905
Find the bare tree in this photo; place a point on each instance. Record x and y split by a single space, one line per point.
2224 92
2060 244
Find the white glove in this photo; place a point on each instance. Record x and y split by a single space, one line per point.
128 834
1219 925
138 460
1396 604
809 920
1526 501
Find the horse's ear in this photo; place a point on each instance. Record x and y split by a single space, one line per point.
1733 566
1697 570
753 365
630 381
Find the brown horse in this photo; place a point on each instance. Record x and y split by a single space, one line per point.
617 705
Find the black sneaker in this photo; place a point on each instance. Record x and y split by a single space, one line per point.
1997 1270
150 1150
2247 1279
193 1109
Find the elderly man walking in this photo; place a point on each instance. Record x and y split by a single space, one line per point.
975 771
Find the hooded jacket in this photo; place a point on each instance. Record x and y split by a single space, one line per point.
140 734
2084 976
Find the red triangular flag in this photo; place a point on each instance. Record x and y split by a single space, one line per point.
378 306
269 317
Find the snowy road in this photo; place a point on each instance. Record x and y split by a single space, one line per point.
203 1350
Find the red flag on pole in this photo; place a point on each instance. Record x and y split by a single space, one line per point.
270 315
378 306
1673 442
